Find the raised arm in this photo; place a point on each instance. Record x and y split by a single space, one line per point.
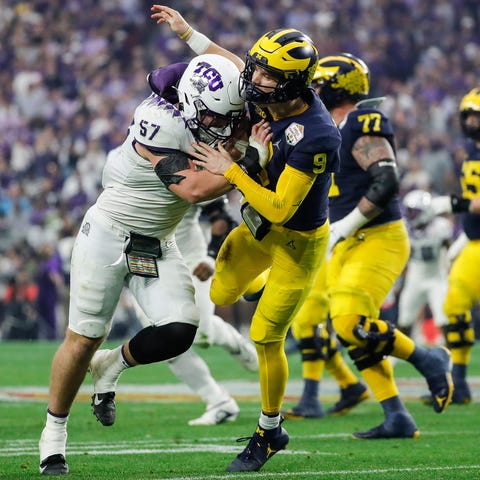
197 41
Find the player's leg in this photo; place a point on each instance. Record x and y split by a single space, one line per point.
192 370
355 302
313 346
463 292
94 293
296 259
168 303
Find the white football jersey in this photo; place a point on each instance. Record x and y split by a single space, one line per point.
133 194
191 240
428 247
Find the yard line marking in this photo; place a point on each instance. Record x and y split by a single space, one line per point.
317 474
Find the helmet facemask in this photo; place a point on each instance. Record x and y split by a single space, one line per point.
284 91
210 127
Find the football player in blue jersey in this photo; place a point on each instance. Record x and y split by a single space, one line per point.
463 280
285 228
369 247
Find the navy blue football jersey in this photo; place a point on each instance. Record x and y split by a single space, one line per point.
308 142
351 183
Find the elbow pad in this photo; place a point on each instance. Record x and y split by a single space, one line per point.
385 184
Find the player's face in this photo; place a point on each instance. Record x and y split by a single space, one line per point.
264 80
472 120
214 121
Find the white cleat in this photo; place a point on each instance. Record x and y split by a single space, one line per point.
225 411
247 355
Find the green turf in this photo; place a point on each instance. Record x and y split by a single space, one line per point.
151 440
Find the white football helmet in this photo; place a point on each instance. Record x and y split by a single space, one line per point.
209 97
417 208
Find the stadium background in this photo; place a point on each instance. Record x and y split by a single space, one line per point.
71 74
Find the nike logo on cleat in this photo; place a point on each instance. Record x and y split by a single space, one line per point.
97 401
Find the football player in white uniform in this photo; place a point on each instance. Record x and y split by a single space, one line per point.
127 238
426 278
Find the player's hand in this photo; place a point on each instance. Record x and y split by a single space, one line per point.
164 14
336 236
259 139
215 161
203 271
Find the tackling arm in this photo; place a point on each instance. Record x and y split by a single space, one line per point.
183 178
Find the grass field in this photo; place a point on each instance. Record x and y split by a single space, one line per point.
151 438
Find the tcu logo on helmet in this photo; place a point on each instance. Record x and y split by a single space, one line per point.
206 76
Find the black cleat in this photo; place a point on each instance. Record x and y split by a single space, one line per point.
104 407
261 447
400 426
441 384
461 394
54 465
350 397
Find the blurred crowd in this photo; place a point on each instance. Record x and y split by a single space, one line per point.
71 74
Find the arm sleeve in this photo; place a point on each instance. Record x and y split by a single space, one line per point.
278 206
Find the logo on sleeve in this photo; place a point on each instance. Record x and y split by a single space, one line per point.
294 133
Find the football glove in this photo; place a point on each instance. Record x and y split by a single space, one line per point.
449 204
345 227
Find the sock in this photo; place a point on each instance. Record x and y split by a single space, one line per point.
420 359
310 391
269 422
392 406
459 372
54 436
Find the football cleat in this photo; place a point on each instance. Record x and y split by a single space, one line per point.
440 383
400 425
52 446
104 408
247 355
310 409
461 394
350 397
225 411
54 465
261 447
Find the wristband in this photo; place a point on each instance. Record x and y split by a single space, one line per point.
460 204
186 33
198 42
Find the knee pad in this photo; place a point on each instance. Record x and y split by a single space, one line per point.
319 347
155 344
459 332
371 343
